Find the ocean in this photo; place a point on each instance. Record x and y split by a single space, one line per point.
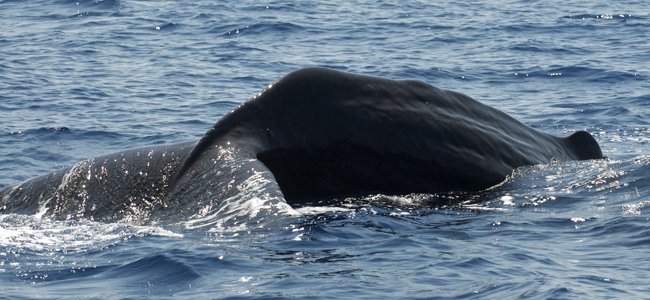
80 79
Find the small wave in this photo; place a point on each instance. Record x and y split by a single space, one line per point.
600 17
429 74
105 4
92 4
202 16
41 131
581 73
53 133
643 100
263 28
159 268
544 46
167 27
89 14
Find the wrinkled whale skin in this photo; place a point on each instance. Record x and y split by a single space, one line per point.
315 133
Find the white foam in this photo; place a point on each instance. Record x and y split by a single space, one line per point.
43 234
317 210
634 209
250 202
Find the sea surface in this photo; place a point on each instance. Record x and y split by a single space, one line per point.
79 79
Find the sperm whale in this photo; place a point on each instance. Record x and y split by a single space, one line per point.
314 133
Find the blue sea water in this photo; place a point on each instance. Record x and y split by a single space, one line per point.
79 79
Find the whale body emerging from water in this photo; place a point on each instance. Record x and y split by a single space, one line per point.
315 133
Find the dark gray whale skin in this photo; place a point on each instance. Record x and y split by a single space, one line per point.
324 133
315 133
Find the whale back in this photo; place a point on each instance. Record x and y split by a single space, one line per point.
326 133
